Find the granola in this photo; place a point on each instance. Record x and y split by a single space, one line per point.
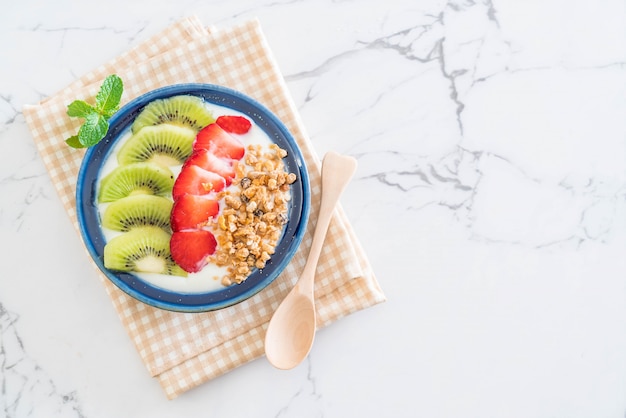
254 214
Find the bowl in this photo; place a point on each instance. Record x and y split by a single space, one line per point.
206 300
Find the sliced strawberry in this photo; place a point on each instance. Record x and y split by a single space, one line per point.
234 124
219 142
197 181
192 212
190 249
205 159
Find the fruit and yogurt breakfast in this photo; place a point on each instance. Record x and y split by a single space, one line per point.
193 198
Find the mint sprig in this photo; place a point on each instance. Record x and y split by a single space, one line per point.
96 124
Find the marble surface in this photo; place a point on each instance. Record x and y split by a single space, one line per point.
490 197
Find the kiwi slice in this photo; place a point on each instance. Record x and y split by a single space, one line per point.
136 211
183 110
164 144
136 178
143 249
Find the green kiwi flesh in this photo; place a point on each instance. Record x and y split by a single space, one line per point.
136 211
185 110
164 144
136 178
143 250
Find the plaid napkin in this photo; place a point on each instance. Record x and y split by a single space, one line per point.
183 350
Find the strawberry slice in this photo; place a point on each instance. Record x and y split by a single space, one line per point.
190 249
234 124
197 181
206 160
219 142
192 212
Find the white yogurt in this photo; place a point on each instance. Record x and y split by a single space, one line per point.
209 278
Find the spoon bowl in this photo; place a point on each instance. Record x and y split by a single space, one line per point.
299 311
291 330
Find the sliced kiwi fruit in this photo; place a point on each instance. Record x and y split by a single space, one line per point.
163 144
144 249
136 211
136 178
185 110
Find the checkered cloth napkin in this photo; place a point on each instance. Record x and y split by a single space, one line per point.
183 350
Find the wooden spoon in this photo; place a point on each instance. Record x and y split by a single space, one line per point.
291 330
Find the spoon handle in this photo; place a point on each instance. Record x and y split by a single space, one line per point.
337 170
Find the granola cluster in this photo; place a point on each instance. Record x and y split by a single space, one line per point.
255 211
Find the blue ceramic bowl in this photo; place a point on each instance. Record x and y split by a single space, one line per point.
89 218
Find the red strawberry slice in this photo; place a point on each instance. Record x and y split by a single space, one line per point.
208 161
197 181
192 212
219 142
190 249
234 124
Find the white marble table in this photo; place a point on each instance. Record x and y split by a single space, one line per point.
490 197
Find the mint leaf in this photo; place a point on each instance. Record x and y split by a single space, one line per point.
93 130
108 98
80 109
73 142
96 118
